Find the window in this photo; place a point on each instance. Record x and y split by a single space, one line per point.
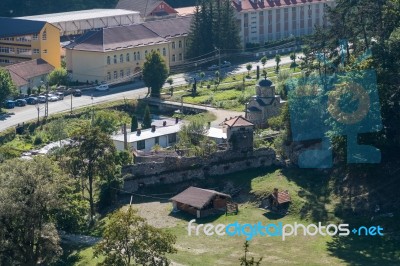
35 37
145 53
173 45
115 74
180 57
172 138
180 44
45 51
108 60
44 35
108 75
134 56
36 51
127 57
157 140
115 59
173 58
121 58
138 55
141 145
121 73
128 72
164 51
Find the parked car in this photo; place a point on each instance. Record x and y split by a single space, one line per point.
41 99
32 100
9 104
102 87
52 98
77 93
60 95
213 67
226 64
20 102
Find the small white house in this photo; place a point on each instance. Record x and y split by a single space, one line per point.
144 140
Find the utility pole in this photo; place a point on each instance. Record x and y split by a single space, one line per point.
46 110
38 112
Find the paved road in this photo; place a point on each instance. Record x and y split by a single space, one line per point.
18 115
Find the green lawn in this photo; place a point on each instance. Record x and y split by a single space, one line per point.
313 200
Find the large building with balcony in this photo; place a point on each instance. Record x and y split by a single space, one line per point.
116 54
23 40
270 20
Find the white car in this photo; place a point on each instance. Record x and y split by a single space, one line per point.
102 87
52 98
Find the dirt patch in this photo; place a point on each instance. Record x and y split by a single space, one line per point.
157 214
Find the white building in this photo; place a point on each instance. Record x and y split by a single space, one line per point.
144 140
269 20
78 22
163 133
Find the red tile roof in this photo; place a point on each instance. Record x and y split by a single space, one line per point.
267 4
197 197
22 72
238 121
283 197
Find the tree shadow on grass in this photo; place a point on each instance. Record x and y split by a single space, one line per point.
365 250
274 215
70 254
314 190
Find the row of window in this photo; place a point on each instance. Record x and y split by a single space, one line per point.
7 50
179 45
119 74
127 57
180 57
141 144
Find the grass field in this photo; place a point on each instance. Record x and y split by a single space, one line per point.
313 200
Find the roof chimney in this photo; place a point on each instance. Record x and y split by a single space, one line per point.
176 120
153 128
138 131
164 123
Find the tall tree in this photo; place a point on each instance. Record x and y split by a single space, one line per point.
58 76
214 21
92 157
30 195
129 240
146 118
134 123
7 87
155 73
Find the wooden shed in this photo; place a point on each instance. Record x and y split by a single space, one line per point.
200 202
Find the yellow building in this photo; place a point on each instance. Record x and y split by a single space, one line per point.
23 40
115 54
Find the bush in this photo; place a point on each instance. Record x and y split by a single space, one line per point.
38 140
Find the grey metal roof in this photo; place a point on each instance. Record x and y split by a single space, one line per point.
116 38
80 15
143 6
10 27
171 27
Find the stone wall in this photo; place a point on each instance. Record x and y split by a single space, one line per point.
179 169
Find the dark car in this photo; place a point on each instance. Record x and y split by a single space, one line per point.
31 100
77 93
20 102
9 104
